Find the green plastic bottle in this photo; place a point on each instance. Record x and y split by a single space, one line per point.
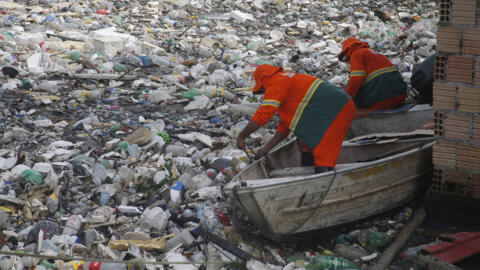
119 67
115 127
75 56
32 176
379 239
47 264
123 146
322 262
190 94
26 84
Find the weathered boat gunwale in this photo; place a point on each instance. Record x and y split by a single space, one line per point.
267 182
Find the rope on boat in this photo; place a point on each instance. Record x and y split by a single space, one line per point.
318 205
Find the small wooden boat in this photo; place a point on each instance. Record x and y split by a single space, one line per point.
406 118
283 198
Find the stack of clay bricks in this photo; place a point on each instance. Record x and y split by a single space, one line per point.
456 100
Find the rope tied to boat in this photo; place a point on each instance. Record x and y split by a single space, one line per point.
319 203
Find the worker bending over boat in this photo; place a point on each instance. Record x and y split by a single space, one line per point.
317 112
374 82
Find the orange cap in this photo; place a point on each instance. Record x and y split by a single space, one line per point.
263 71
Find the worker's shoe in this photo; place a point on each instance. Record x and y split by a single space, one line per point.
322 169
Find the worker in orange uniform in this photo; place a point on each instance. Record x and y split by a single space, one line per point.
318 113
374 82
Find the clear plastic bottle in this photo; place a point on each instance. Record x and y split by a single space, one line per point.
161 61
174 78
50 87
412 251
73 225
132 48
170 22
213 91
213 258
107 67
131 59
207 217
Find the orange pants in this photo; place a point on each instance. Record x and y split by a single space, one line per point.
326 152
389 104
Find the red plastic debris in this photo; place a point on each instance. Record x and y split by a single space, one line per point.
101 11
464 245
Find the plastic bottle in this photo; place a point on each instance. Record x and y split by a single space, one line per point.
170 22
3 219
48 86
174 78
131 59
26 84
349 252
412 251
176 192
119 67
183 237
73 225
322 262
115 128
161 61
146 60
211 173
134 151
73 265
104 198
218 92
190 94
85 94
208 218
379 239
123 146
99 173
75 56
212 258
220 164
107 67
52 203
104 266
176 150
131 48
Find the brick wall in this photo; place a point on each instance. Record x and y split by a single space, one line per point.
456 99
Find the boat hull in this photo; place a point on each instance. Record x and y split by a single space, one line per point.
284 206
